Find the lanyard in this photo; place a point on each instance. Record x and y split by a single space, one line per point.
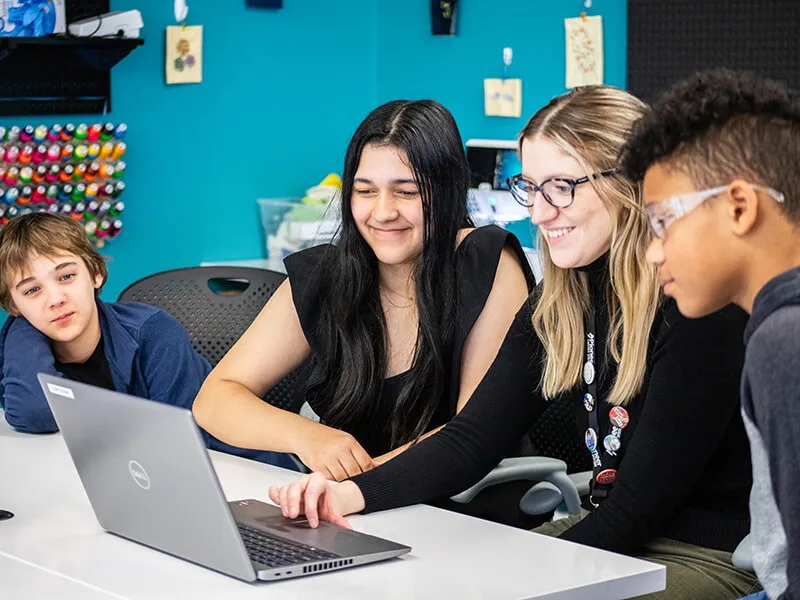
604 465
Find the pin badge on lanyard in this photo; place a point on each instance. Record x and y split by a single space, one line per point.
591 444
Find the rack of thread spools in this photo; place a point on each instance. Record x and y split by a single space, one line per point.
72 170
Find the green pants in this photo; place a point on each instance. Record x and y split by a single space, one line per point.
693 572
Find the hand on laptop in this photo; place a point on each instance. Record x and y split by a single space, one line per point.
334 453
318 498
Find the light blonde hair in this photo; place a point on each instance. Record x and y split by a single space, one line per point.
591 124
43 234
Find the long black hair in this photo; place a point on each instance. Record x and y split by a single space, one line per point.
352 361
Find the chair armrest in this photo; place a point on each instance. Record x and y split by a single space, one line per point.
582 482
523 468
743 555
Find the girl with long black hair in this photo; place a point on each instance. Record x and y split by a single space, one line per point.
400 318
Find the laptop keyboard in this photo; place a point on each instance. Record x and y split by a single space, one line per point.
278 552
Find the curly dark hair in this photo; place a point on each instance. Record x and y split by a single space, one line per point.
721 124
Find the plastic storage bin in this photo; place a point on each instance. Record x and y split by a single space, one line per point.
289 225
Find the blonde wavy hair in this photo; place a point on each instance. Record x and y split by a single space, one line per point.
591 124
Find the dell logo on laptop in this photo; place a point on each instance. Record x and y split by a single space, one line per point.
139 475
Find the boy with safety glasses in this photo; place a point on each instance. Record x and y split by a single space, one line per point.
719 156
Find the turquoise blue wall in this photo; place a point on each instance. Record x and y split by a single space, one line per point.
413 63
283 91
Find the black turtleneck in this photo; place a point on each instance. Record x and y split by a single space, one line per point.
684 468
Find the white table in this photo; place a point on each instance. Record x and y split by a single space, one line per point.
54 543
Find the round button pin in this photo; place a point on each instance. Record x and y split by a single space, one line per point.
612 443
619 417
591 439
606 477
588 402
588 373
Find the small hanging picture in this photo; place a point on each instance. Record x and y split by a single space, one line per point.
502 97
184 54
584 51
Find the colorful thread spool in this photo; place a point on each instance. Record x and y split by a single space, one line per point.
107 190
81 152
94 151
26 134
108 132
77 211
65 193
92 190
107 171
106 150
13 134
26 155
119 169
91 229
40 193
117 208
40 174
121 132
79 192
93 171
81 131
104 228
119 150
54 153
67 151
116 227
53 209
40 134
54 134
25 174
53 173
12 195
66 173
94 132
91 209
2 195
68 133
25 195
66 209
105 206
2 134
52 194
12 154
119 188
40 154
80 172
12 176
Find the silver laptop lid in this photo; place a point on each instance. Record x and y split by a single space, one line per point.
147 474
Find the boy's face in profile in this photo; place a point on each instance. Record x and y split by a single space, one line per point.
694 262
56 294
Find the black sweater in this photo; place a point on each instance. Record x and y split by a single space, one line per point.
684 468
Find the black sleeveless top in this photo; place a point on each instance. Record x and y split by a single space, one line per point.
477 258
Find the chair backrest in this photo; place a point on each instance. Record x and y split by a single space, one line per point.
215 305
556 434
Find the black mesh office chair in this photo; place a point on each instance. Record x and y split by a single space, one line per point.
215 305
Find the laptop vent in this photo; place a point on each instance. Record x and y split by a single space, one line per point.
333 564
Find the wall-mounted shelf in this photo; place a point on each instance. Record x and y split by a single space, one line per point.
59 75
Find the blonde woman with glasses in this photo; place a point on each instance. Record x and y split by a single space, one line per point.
655 395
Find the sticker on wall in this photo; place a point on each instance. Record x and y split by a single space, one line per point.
502 97
584 51
184 54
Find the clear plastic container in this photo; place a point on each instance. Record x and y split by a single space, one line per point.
291 225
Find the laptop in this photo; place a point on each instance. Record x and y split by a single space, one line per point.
149 479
